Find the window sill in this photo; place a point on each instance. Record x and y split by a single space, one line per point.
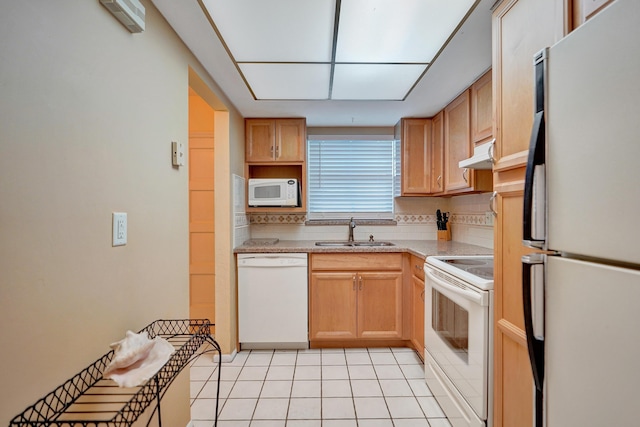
346 222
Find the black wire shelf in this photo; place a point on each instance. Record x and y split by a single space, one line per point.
89 400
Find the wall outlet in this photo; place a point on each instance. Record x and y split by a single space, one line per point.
488 218
119 229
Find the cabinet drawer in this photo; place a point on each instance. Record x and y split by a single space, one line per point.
417 266
360 261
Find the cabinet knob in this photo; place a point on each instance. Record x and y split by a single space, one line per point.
464 175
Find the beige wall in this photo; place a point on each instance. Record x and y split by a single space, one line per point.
87 114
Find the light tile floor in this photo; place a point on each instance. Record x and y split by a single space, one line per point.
382 387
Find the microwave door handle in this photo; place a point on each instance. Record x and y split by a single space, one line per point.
533 227
439 284
532 298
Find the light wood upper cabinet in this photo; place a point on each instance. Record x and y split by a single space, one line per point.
355 296
458 146
275 140
437 154
481 109
583 10
521 28
415 142
276 148
457 142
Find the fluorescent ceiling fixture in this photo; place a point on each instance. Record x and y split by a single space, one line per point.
396 30
275 30
374 81
275 43
288 81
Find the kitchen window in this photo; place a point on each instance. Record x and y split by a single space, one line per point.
352 177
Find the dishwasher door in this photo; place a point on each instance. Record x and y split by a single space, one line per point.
273 301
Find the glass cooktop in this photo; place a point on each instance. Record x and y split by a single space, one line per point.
481 267
474 269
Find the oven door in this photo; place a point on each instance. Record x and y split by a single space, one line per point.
457 335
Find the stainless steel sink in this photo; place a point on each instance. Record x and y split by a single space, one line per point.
373 244
363 243
334 243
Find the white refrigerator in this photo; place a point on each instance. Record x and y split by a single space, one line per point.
582 206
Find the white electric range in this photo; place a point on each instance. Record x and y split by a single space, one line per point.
459 336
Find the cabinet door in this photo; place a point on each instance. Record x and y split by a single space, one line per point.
520 29
332 305
416 167
481 109
513 381
260 140
291 138
584 10
380 305
457 143
417 299
437 153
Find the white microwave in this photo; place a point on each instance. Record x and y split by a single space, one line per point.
274 192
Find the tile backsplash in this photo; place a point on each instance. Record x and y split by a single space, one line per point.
415 219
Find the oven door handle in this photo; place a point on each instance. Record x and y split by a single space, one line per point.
467 294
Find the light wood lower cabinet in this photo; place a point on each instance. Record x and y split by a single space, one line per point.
417 304
513 382
417 297
349 300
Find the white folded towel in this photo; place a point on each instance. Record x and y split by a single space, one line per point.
137 358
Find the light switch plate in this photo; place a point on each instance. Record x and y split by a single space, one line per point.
177 153
119 229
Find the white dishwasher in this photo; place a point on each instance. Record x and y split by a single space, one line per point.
273 301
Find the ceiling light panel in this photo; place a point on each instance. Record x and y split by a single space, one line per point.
396 30
275 30
374 81
287 81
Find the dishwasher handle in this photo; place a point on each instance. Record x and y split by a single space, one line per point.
272 260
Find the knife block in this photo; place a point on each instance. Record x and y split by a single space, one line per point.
444 234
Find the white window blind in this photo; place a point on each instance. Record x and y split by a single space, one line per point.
352 177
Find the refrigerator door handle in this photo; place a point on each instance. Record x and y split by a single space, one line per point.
534 227
533 300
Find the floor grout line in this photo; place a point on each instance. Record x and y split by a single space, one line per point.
248 362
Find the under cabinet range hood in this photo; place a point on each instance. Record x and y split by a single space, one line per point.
482 157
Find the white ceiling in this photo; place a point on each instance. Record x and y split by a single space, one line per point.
465 58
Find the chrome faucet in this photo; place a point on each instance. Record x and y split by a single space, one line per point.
352 225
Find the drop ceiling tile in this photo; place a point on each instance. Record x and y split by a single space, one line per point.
374 81
275 30
398 30
288 81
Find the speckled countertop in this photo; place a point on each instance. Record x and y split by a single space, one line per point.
421 248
